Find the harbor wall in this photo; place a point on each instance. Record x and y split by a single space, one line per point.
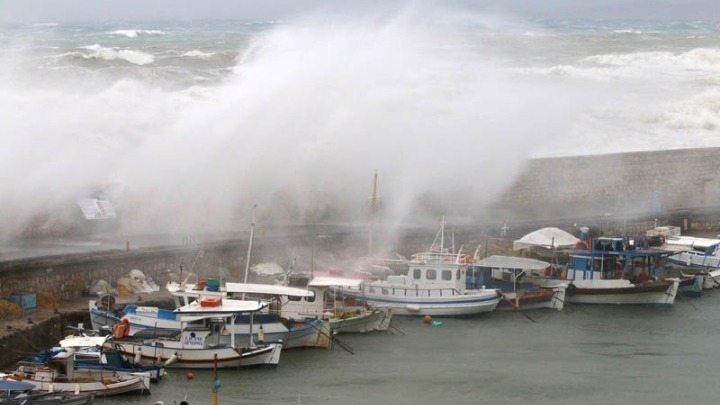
615 185
679 187
70 276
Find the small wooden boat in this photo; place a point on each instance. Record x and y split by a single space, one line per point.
508 275
309 298
59 375
22 393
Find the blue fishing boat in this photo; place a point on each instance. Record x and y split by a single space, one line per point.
508 274
617 271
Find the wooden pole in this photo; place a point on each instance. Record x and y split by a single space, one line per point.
216 385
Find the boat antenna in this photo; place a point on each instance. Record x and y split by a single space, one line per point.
373 210
247 262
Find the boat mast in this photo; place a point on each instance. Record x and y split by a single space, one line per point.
441 235
247 262
373 209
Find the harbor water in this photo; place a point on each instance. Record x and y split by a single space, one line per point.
582 355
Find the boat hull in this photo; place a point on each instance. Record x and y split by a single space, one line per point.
552 298
98 388
376 320
227 357
50 398
450 305
295 334
598 292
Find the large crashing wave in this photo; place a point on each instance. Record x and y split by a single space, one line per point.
446 107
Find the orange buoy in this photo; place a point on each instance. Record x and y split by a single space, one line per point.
427 319
190 376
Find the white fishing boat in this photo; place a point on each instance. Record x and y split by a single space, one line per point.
94 357
294 332
153 321
23 393
59 374
207 338
434 285
698 257
319 298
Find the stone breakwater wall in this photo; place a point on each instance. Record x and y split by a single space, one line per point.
641 183
36 337
69 277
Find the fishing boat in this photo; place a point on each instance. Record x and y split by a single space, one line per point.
94 358
507 275
207 338
615 270
60 374
698 257
311 298
435 284
154 321
274 325
14 392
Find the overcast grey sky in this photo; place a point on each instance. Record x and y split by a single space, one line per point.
21 11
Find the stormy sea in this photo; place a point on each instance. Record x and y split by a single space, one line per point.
297 115
190 123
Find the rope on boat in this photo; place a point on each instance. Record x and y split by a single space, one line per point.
515 307
334 339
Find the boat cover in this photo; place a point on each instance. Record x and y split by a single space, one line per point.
512 262
12 385
546 238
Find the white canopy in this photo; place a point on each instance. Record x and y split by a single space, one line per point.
267 289
84 341
547 238
512 262
335 282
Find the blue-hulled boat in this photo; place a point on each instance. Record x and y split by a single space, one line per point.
507 274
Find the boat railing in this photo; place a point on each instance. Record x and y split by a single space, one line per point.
699 260
434 258
414 291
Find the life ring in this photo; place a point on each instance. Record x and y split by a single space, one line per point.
582 245
126 327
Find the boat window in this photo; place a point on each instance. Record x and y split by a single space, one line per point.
385 291
459 274
447 275
312 298
417 273
293 298
431 274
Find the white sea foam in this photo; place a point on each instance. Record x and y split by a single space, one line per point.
696 59
628 32
198 54
129 55
134 33
700 112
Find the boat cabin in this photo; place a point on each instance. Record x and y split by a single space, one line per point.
614 258
429 272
